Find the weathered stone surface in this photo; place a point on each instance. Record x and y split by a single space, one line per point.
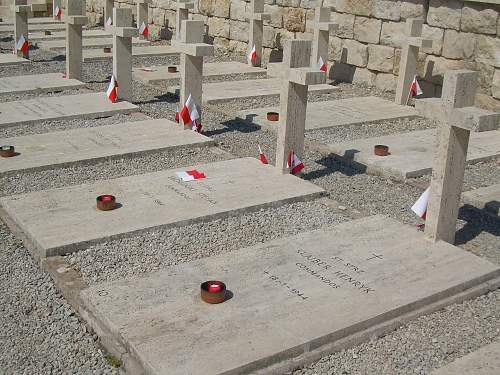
62 220
367 29
488 199
393 34
459 45
495 86
386 82
363 76
357 7
387 9
346 24
479 18
37 83
346 272
434 68
381 58
487 50
445 13
294 19
238 10
218 27
436 35
7 59
238 30
357 53
217 8
60 45
42 27
276 13
334 48
94 54
94 33
413 9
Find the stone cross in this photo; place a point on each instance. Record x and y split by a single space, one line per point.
108 12
74 23
321 37
409 58
297 76
192 50
256 18
182 15
122 51
448 169
142 12
21 10
55 5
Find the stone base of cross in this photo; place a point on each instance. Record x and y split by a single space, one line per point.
182 15
450 160
297 76
256 17
74 23
192 51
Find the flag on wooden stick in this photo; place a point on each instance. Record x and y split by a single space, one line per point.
415 89
253 55
58 11
144 30
22 44
294 163
420 206
109 22
262 157
322 65
189 113
112 92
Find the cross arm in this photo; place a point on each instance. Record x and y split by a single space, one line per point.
185 5
76 20
124 32
331 27
474 119
193 49
305 76
258 17
143 1
21 8
420 42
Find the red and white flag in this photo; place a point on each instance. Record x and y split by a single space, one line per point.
253 55
420 206
197 126
109 22
143 30
58 11
112 90
191 175
322 65
189 113
22 44
177 114
262 157
294 163
415 88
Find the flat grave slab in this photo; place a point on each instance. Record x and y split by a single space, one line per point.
485 361
82 146
291 297
412 154
91 105
485 198
61 35
331 113
216 92
158 74
58 45
38 83
7 59
63 220
138 51
37 27
35 21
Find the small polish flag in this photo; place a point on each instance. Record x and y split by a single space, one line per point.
22 44
58 11
420 206
177 114
112 90
262 157
322 65
197 126
294 163
415 88
109 22
189 113
253 55
143 30
191 175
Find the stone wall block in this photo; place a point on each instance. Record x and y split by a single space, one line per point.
437 36
387 9
346 24
294 20
386 82
367 29
445 13
238 31
488 48
459 45
393 34
238 10
217 8
495 86
380 58
356 53
334 48
218 27
479 18
357 7
413 9
276 13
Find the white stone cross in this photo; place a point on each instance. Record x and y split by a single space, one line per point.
448 169
321 37
192 50
297 76
182 15
256 18
21 10
142 12
74 22
409 58
122 51
108 12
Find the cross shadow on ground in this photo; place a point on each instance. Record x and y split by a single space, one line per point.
235 125
334 163
477 221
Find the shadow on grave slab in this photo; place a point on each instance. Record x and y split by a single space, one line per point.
235 125
477 221
164 98
335 164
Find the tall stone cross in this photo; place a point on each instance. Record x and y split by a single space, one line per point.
192 50
409 58
122 51
21 10
321 37
56 4
182 15
74 23
256 18
297 76
142 12
448 169
108 12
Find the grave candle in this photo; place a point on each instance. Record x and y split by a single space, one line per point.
213 291
106 202
7 151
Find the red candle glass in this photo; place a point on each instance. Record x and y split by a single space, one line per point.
213 291
106 202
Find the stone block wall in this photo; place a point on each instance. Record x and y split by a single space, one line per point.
366 48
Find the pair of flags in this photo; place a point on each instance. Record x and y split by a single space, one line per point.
58 12
144 30
191 175
189 115
22 44
293 162
415 88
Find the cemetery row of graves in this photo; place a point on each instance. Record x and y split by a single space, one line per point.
169 208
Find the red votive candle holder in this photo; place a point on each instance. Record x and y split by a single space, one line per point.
106 202
213 291
7 151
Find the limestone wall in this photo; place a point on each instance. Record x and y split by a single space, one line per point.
367 46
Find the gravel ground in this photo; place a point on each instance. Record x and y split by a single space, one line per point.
40 330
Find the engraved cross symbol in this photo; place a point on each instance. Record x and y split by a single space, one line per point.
375 256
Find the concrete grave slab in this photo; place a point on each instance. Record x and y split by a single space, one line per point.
485 361
137 51
217 92
38 83
158 74
36 21
63 220
412 154
82 146
485 198
294 299
61 35
341 112
8 59
91 105
34 28
60 45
